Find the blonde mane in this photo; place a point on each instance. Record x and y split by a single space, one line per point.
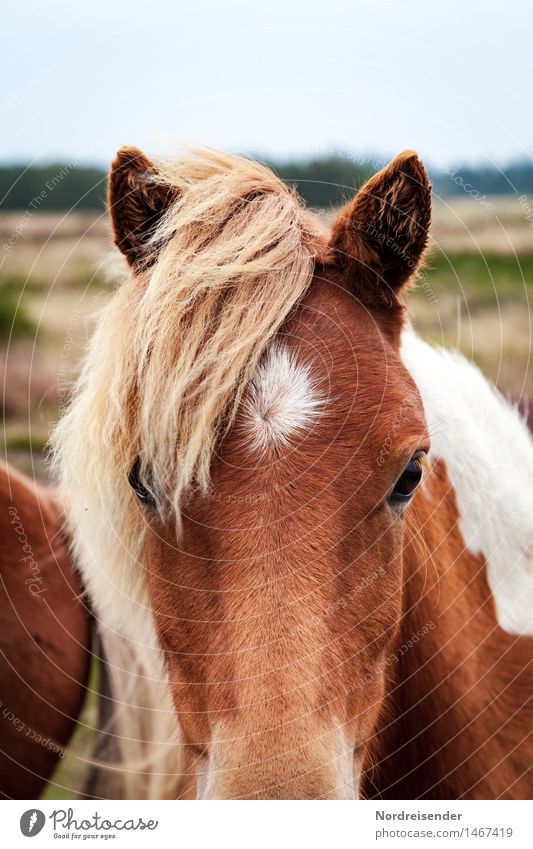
167 366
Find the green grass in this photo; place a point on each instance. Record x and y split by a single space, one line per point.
85 277
483 277
15 292
68 777
14 318
32 442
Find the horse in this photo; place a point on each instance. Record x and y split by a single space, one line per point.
306 534
45 637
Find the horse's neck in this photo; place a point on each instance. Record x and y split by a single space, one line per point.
460 711
487 452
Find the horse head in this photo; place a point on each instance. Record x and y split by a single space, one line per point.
242 452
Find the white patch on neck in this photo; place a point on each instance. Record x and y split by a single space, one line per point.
281 400
488 453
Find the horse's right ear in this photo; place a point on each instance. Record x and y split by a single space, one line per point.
136 202
379 238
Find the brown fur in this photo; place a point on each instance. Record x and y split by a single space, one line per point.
44 638
136 203
463 711
275 598
380 237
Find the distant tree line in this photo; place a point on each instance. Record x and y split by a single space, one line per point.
55 187
323 182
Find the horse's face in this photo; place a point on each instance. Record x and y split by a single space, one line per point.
279 606
277 609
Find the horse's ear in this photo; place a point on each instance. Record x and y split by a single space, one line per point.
379 238
136 202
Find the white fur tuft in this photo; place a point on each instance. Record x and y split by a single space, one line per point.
281 400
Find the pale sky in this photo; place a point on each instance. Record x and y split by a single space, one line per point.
452 79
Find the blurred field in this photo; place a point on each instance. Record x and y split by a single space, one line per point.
53 279
57 270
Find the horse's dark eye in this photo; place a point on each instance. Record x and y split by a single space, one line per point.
134 480
407 482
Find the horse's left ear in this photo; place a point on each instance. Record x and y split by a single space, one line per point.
136 202
379 238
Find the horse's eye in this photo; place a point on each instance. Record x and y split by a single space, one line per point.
407 482
134 480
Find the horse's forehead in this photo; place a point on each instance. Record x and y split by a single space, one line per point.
332 361
340 328
285 397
